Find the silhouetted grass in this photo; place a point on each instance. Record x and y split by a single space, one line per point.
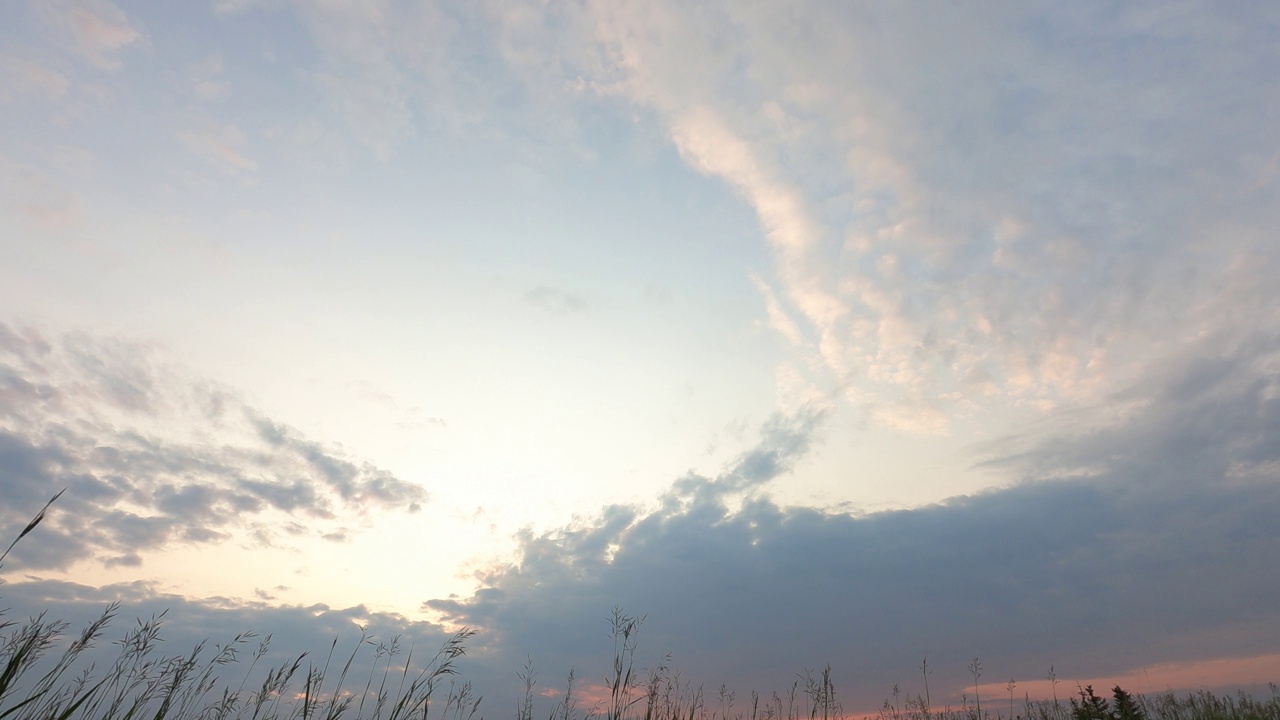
141 682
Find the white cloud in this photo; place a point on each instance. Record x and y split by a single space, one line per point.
20 76
231 7
948 195
206 80
98 29
966 192
221 145
361 77
42 204
778 317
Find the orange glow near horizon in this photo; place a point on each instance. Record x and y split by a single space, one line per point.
1219 673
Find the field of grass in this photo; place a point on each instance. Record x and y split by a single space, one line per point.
44 675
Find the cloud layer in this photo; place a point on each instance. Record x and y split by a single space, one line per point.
1157 551
1059 219
976 208
150 457
968 210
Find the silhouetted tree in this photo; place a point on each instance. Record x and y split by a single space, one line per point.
1090 706
1125 708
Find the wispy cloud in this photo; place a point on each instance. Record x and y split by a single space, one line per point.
362 77
392 70
98 29
40 202
221 145
1145 561
1059 218
20 76
151 457
1209 416
555 300
958 219
207 81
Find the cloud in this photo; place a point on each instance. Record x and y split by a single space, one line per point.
151 457
361 77
967 210
393 69
555 300
1159 554
207 82
42 204
232 7
98 29
220 145
21 76
973 209
1211 414
1155 555
1063 210
784 440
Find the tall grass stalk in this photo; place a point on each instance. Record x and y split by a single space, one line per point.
975 667
142 683
622 681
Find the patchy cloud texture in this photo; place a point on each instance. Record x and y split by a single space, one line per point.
1043 234
974 205
145 457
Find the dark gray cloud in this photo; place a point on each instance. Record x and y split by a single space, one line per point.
1210 414
1141 532
1160 552
1088 578
150 457
1143 538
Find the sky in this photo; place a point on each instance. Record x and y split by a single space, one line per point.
815 333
